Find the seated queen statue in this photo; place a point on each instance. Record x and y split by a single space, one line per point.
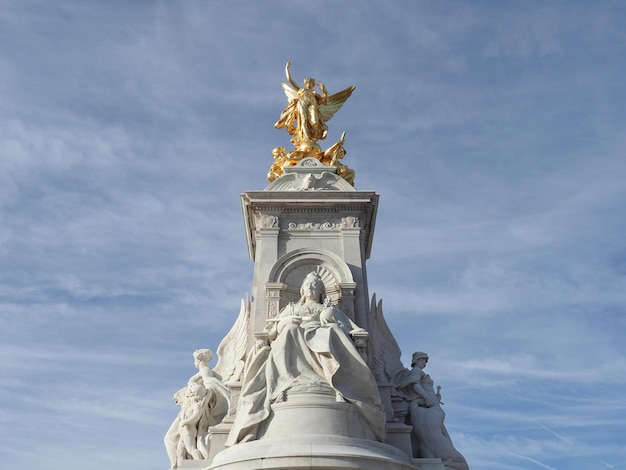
310 348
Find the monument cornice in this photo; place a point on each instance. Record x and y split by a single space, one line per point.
285 204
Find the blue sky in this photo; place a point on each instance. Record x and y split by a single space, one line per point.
494 132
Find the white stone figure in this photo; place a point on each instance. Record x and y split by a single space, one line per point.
191 412
306 353
201 359
426 414
204 403
216 403
172 436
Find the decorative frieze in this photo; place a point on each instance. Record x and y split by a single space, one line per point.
269 221
312 225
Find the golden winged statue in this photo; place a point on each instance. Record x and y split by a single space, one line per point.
305 119
308 111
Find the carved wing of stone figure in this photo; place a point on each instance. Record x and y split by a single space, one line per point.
335 102
232 350
386 353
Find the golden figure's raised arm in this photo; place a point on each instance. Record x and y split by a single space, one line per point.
289 79
324 96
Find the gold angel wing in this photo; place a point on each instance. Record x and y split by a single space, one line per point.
335 102
232 350
290 92
288 116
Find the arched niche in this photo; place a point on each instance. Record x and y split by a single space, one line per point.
289 271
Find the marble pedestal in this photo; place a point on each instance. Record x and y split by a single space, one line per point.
313 451
336 460
311 429
316 413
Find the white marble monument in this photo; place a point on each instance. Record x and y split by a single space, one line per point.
310 376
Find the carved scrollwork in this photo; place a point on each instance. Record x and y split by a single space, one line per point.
312 225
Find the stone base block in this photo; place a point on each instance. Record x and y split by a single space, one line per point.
399 435
193 464
418 464
313 452
428 464
318 412
219 434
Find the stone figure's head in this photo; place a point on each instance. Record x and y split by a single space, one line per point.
309 83
195 390
417 356
202 355
313 287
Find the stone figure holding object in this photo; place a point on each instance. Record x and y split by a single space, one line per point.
426 415
217 398
310 348
204 403
191 412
